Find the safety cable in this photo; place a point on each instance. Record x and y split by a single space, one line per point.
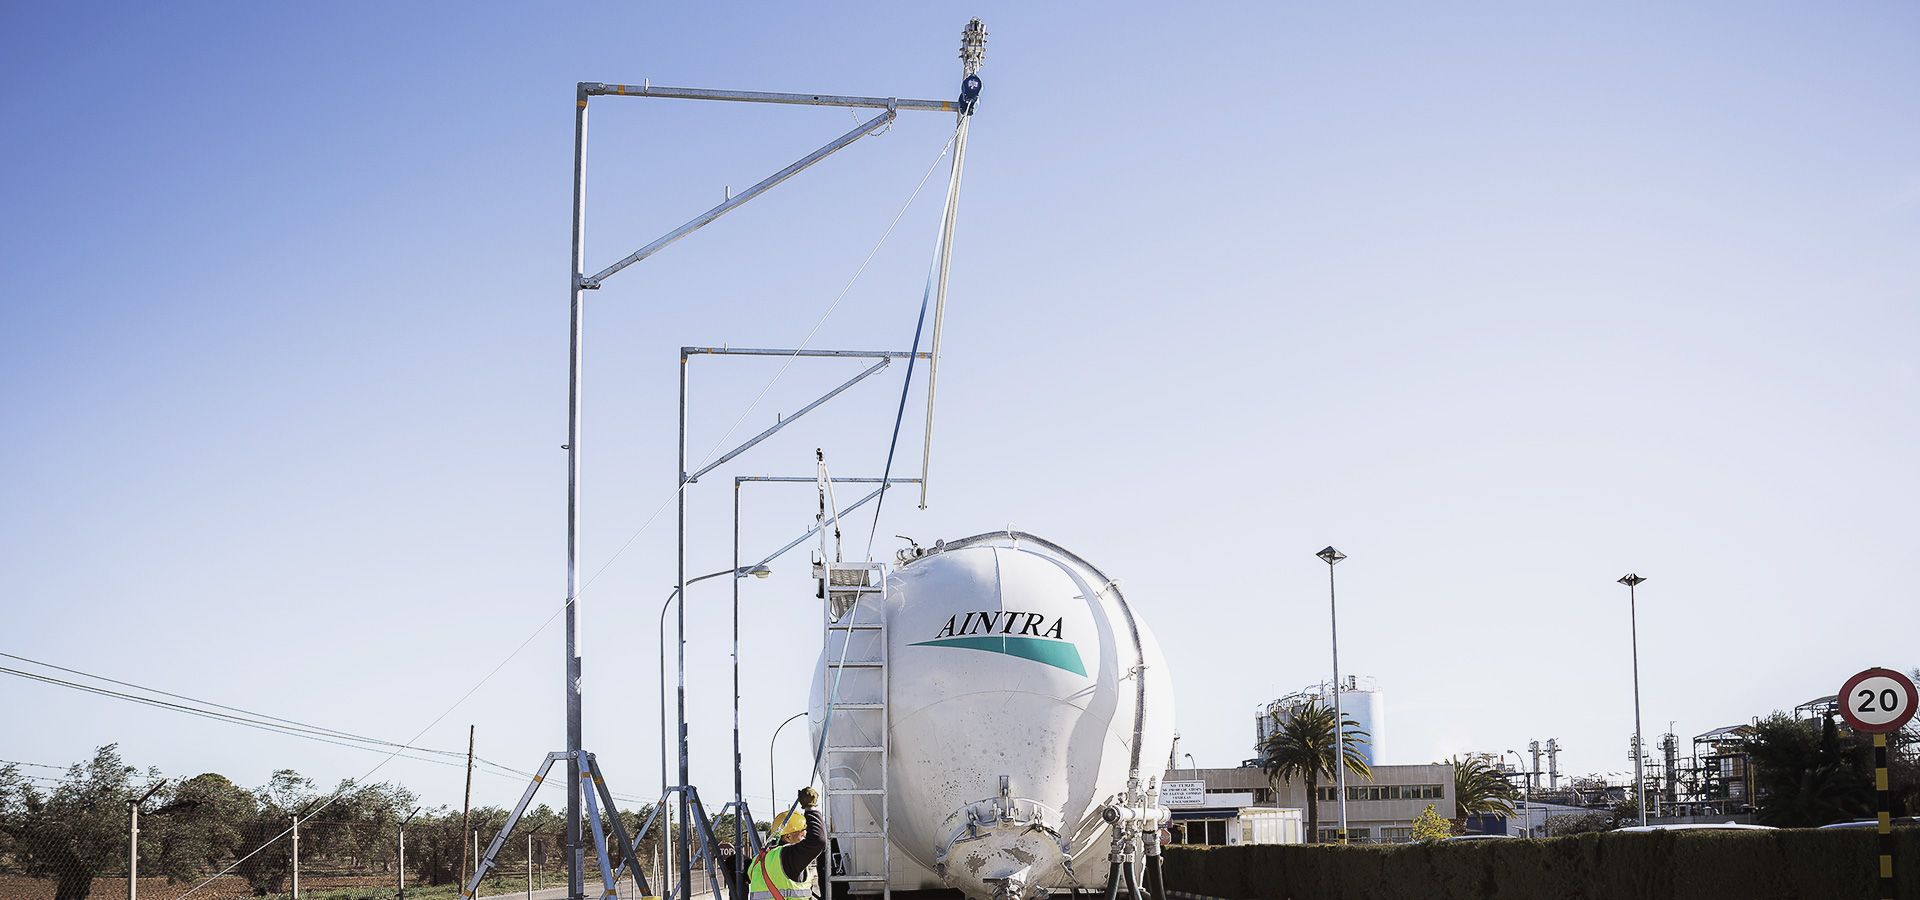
906 385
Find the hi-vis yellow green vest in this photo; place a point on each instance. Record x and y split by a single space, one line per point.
769 866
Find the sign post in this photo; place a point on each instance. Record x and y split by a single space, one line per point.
1879 702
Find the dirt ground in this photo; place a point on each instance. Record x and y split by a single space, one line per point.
20 887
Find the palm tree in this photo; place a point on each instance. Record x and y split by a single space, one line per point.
1302 746
1478 788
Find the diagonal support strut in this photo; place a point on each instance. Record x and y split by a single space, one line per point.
702 220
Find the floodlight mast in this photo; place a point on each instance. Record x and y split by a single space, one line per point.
972 53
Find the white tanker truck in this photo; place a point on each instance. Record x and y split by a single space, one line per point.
999 718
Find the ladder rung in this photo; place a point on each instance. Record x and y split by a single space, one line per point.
859 626
859 706
874 749
856 792
856 877
862 664
857 834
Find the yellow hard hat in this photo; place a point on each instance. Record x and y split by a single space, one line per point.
790 822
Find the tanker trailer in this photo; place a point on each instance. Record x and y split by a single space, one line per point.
1019 707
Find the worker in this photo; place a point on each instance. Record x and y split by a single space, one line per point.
784 871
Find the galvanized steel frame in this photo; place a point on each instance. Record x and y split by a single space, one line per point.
579 282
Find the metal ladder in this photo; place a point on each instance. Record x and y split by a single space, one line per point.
856 630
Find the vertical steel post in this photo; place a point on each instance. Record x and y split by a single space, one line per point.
296 858
737 864
529 865
576 854
680 633
400 863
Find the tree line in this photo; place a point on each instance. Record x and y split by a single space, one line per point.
74 828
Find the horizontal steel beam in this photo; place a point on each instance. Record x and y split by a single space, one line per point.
679 93
809 479
757 351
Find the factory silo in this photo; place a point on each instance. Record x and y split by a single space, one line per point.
1361 700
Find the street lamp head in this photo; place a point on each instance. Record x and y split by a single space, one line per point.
1630 579
760 571
1331 555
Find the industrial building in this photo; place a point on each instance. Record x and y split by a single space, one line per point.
1380 810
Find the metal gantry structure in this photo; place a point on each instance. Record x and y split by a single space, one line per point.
589 803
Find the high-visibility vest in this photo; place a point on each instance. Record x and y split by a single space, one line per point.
768 876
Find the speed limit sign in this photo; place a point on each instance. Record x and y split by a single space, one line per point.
1878 701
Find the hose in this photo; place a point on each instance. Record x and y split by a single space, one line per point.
1113 880
1133 889
1156 878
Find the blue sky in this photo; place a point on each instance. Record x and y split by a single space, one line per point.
1504 301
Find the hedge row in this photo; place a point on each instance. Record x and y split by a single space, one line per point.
1687 865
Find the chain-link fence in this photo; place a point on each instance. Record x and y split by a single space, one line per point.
77 834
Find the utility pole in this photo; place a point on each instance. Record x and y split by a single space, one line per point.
400 855
133 842
466 806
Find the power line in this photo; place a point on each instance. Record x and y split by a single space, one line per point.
258 715
239 720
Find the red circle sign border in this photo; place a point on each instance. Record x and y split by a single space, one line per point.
1846 712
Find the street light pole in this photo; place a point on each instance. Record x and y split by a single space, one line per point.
739 572
1632 581
1526 787
1333 557
773 790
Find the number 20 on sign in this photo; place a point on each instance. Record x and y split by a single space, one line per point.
1879 702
